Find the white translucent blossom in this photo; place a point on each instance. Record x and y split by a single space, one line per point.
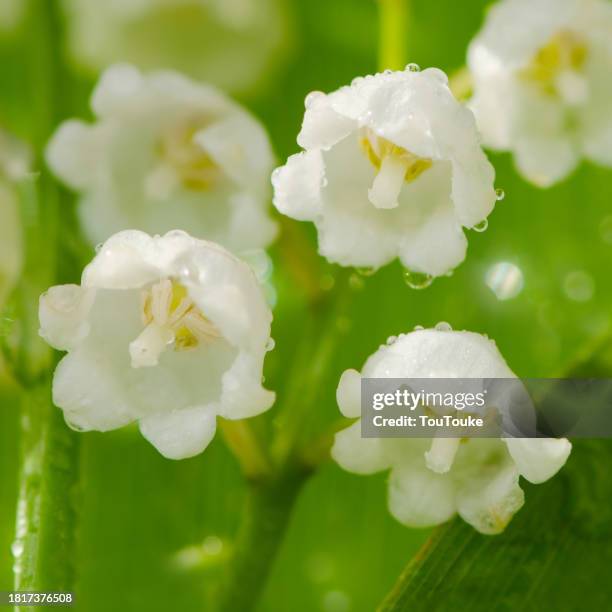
168 331
231 43
542 89
166 152
392 167
431 480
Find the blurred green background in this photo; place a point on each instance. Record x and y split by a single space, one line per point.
154 533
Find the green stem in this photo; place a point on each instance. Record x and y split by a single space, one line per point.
271 495
392 34
46 515
266 515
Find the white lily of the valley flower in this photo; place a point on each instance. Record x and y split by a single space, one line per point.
168 331
166 152
541 72
432 480
392 167
231 43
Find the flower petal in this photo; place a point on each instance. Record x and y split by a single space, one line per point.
298 184
63 314
179 434
356 454
117 86
419 497
73 153
348 394
489 498
435 247
538 459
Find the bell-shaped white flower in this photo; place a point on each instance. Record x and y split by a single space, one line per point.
433 479
166 152
392 167
541 75
168 331
234 44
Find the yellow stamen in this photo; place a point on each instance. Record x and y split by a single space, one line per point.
195 169
565 52
169 317
377 148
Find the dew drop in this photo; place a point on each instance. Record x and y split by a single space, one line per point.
417 280
388 71
270 344
99 246
443 326
500 194
312 97
17 549
275 173
412 67
391 340
482 226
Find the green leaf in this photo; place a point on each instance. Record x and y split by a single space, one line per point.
555 554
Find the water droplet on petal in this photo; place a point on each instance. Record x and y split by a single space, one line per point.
500 194
391 340
99 246
443 326
312 97
276 172
417 280
505 280
418 328
412 67
388 71
482 226
270 344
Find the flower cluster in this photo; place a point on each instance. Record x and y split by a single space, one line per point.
171 331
